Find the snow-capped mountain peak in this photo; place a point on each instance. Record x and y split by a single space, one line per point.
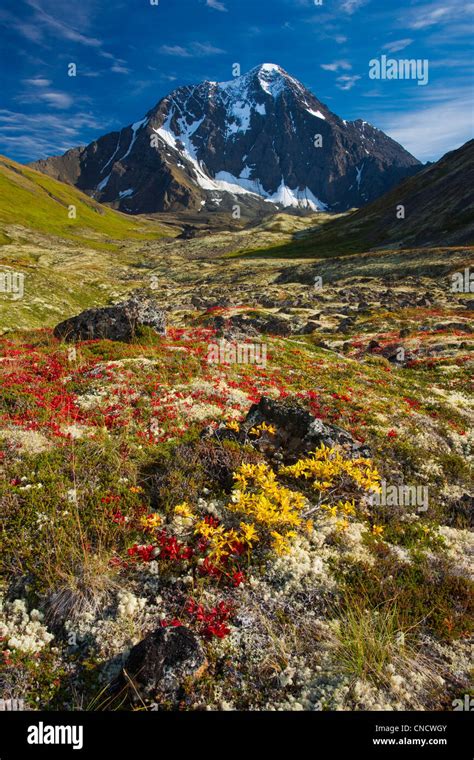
259 138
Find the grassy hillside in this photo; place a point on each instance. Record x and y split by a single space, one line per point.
31 200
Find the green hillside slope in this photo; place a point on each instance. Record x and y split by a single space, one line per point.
37 203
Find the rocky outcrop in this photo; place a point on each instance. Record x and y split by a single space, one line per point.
119 322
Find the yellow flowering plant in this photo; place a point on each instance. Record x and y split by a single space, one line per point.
327 469
272 507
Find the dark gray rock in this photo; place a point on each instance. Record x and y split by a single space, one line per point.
310 327
345 325
298 432
244 325
461 326
119 322
162 661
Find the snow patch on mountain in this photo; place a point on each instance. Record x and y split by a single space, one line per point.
318 114
135 127
126 193
286 196
241 113
104 182
113 154
188 151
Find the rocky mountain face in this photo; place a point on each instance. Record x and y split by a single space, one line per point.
435 208
261 139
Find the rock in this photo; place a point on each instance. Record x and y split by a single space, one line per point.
198 302
462 512
298 432
345 324
243 325
373 346
119 322
160 663
460 326
309 327
188 232
397 354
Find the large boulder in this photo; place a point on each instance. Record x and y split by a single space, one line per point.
162 661
119 322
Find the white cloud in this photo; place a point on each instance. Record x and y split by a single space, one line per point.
175 50
38 135
436 14
396 45
44 22
351 6
206 49
336 65
36 92
194 50
430 132
118 68
38 82
428 17
56 99
347 82
216 4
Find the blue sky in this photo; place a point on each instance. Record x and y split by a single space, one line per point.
130 53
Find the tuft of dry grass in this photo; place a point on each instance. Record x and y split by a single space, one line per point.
85 588
373 642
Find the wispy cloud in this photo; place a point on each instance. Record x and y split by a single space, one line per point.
38 135
337 65
194 50
37 82
217 5
119 68
347 82
430 132
181 52
37 90
59 100
429 15
396 45
46 23
351 6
